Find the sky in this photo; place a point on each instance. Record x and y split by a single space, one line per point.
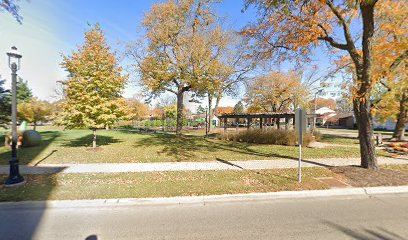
51 28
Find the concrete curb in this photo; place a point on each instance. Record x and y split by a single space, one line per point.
203 200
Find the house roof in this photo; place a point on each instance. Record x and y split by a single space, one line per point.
324 110
340 116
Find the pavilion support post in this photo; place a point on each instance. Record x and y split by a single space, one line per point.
260 122
237 124
286 123
225 124
278 122
249 122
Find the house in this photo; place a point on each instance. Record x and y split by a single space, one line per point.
324 110
323 114
345 120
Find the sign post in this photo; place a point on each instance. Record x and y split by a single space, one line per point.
300 127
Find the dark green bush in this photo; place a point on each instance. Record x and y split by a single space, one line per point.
266 136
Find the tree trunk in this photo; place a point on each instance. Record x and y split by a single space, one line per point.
210 112
180 106
94 138
402 118
365 131
356 114
364 78
35 126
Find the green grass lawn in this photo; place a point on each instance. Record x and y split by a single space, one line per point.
343 140
73 146
385 133
161 184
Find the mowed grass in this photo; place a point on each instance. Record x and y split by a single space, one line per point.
73 146
343 140
161 184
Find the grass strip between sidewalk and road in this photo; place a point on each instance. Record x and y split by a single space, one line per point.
160 184
64 186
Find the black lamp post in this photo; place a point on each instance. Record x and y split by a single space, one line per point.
14 178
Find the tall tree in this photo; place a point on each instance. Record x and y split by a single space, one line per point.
323 102
94 86
276 92
24 93
201 110
229 75
291 29
239 108
34 111
391 63
137 108
5 108
181 49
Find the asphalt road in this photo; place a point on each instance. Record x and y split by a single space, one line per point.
378 217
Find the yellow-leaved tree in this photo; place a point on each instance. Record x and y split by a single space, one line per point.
34 111
391 63
180 52
92 92
276 92
289 30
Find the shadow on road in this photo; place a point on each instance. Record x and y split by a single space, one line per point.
20 220
365 234
92 237
22 224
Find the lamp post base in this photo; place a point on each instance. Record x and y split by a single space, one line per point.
14 181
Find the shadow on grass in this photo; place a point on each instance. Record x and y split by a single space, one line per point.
186 147
255 171
26 155
86 141
228 163
365 234
334 138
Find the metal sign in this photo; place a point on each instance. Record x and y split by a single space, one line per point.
300 123
300 127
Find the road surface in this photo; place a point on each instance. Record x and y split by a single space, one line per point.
357 217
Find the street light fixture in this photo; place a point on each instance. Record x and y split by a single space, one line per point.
14 178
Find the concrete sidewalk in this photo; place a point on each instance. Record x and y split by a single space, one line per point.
192 166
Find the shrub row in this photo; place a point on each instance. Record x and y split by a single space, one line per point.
168 122
268 136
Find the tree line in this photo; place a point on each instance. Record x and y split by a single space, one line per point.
187 48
